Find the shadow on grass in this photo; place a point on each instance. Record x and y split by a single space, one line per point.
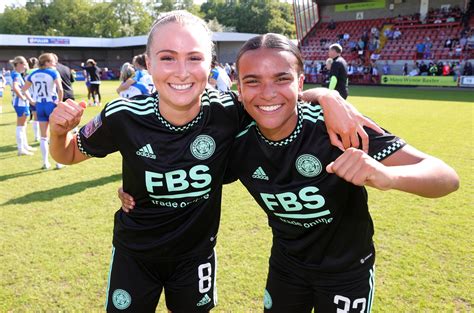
7 124
21 174
4 149
51 194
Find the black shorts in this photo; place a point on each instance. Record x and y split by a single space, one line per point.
94 88
135 285
291 288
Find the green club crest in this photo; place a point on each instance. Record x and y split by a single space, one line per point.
203 147
121 299
267 300
308 165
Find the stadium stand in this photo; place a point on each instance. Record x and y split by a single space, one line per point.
440 36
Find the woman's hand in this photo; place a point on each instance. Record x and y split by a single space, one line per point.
128 203
343 122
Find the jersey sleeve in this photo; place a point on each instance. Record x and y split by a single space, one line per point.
95 138
383 145
55 74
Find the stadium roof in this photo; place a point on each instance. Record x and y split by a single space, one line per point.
53 41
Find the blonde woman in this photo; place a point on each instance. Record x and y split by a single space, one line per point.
21 99
46 83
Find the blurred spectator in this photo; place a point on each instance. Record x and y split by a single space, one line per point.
386 68
433 71
351 70
352 46
467 71
458 50
375 31
448 43
375 56
374 73
360 68
456 71
437 21
446 69
440 68
423 69
346 36
405 69
414 72
420 50
450 19
332 25
397 33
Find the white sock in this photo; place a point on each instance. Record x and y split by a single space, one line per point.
44 146
36 130
25 139
19 138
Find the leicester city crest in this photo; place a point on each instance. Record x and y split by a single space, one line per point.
308 165
203 147
121 299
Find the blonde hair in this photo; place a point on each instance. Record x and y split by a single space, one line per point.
45 58
17 60
126 71
91 61
182 18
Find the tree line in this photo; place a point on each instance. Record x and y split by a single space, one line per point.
124 18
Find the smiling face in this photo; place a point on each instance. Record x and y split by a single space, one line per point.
269 82
179 60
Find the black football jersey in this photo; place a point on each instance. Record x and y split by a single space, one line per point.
175 174
318 220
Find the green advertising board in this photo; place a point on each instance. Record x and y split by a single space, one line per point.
374 4
440 81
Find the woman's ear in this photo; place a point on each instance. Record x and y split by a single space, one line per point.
300 83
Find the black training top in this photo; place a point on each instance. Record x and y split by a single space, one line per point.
339 69
174 173
319 221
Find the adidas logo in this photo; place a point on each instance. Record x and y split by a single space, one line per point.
205 300
260 174
146 151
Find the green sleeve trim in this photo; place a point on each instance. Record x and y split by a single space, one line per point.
332 82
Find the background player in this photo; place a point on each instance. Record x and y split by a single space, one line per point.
33 66
136 88
141 75
338 73
322 255
48 89
67 78
93 73
174 149
20 100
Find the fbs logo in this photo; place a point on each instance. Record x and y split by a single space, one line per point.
146 151
260 174
205 300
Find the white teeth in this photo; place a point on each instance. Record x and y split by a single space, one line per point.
181 87
269 108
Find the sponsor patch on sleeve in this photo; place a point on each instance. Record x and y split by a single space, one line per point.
92 126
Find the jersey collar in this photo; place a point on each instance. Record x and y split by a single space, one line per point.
291 137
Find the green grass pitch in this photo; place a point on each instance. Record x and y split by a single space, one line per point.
56 226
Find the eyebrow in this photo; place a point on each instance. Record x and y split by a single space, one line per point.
175 52
258 76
